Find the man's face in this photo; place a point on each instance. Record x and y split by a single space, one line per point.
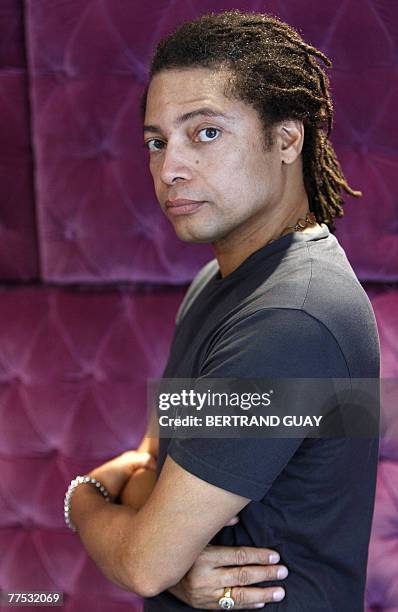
213 176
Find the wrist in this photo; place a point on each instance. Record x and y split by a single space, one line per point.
113 480
87 488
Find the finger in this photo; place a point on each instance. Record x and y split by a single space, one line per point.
143 470
244 575
149 462
220 556
233 521
133 459
254 598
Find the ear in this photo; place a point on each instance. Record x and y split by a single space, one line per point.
291 139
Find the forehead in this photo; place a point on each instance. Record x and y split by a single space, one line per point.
176 90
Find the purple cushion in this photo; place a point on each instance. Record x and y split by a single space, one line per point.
73 367
18 243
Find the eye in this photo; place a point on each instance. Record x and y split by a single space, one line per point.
208 134
154 144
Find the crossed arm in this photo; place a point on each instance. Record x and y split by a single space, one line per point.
131 557
150 550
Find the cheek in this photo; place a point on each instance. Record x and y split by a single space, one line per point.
241 171
228 167
244 184
153 169
239 164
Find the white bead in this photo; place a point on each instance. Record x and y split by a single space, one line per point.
74 483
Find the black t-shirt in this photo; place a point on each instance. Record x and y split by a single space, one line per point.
292 309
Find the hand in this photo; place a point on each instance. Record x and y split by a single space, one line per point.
115 473
138 488
204 584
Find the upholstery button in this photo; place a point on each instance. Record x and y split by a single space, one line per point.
105 151
362 147
70 233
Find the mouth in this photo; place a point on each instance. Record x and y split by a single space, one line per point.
182 207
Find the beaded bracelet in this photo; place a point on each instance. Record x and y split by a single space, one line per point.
68 495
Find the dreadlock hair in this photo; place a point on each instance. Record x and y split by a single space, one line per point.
276 72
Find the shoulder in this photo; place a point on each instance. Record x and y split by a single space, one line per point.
284 342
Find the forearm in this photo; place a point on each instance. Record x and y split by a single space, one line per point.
105 530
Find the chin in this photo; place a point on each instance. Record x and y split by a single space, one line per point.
188 233
195 238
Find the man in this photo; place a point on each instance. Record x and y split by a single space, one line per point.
235 118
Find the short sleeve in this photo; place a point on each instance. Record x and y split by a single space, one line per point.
270 343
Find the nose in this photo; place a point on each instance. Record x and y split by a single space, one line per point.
175 164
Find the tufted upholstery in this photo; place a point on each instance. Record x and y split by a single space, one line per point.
73 366
84 320
18 240
383 555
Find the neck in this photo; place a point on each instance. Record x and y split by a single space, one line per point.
233 249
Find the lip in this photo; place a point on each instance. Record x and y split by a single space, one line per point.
182 207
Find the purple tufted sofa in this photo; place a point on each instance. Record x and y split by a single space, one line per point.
92 275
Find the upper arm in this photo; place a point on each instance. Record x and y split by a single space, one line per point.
276 343
175 525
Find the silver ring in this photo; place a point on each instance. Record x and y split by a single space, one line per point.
226 602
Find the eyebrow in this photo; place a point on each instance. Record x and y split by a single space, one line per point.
202 112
